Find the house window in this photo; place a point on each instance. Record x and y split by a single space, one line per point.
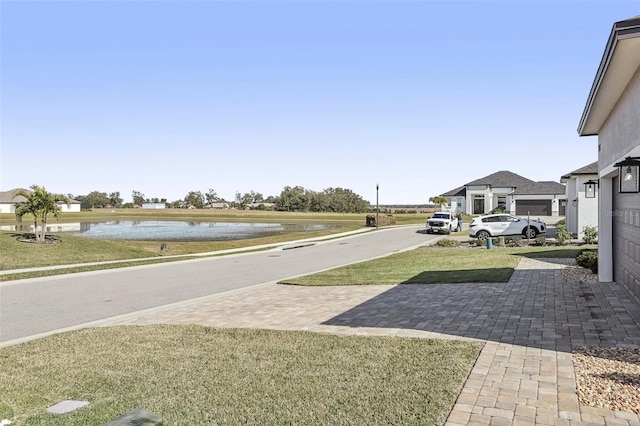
502 202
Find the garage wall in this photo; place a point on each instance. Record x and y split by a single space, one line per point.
626 241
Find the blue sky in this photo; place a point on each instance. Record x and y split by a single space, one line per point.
167 97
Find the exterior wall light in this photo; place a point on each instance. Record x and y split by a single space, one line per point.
628 175
574 202
590 188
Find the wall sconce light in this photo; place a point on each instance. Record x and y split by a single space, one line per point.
574 202
590 188
628 175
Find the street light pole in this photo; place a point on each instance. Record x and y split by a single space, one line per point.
377 208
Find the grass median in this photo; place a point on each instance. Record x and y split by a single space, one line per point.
197 375
432 265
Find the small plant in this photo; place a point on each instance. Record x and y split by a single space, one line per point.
561 223
448 243
516 242
590 235
479 242
497 210
163 247
563 236
588 259
541 240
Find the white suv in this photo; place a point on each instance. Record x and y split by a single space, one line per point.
445 222
504 224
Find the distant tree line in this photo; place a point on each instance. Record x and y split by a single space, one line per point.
291 199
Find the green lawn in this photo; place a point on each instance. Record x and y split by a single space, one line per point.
431 265
74 250
195 375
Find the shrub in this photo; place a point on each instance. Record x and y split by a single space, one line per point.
588 259
561 223
563 236
590 235
541 240
516 242
497 210
448 243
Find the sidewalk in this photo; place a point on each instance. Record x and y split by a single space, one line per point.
524 374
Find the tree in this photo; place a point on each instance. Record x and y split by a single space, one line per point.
194 199
114 200
211 196
439 200
138 198
96 199
39 203
294 199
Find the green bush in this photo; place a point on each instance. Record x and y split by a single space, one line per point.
541 240
588 259
561 223
563 236
497 210
590 235
448 243
516 242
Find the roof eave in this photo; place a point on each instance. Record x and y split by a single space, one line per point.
615 72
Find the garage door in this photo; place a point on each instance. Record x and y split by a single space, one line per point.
534 207
626 240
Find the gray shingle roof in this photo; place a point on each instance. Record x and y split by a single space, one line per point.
460 191
541 188
502 179
589 169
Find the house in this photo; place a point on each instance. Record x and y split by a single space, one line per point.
582 198
512 193
612 114
219 206
154 206
8 203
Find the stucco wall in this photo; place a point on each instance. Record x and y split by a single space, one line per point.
620 132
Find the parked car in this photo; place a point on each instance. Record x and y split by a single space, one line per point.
445 222
494 225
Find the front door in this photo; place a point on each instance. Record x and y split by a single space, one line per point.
478 205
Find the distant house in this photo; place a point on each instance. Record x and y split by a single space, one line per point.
511 192
8 203
611 112
154 205
219 206
582 206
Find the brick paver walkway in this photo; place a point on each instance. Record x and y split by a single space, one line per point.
524 374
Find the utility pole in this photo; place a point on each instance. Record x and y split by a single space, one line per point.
377 206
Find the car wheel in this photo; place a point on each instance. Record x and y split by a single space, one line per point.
533 232
482 235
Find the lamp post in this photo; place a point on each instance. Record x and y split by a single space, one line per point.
377 207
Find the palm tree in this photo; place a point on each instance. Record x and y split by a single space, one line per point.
39 203
439 200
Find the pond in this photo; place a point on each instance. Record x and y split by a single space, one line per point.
170 230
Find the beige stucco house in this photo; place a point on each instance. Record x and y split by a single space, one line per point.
612 112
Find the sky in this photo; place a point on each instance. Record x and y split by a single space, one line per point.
420 97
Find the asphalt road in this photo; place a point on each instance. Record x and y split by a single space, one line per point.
29 307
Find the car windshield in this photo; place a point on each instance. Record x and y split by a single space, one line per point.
440 216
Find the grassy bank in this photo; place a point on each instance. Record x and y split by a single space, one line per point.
196 375
74 250
431 265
